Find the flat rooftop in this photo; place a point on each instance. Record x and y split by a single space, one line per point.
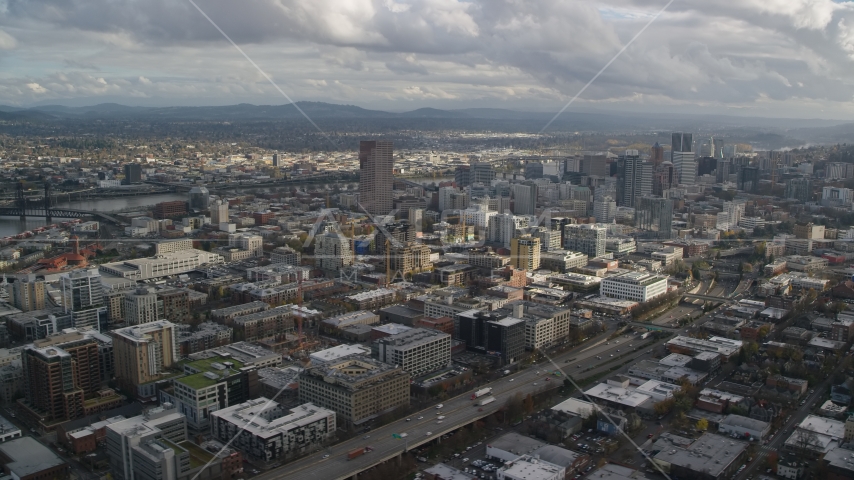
28 456
335 353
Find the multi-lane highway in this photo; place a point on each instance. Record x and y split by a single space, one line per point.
425 426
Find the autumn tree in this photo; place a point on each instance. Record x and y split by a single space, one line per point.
702 424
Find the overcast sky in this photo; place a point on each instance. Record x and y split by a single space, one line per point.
791 58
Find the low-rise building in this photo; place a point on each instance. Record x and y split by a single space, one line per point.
711 457
417 351
356 387
744 427
265 431
635 286
26 459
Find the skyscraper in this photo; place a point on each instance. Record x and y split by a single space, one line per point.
524 198
634 178
654 217
219 212
682 156
142 306
332 252
277 159
133 174
657 154
664 178
525 253
376 165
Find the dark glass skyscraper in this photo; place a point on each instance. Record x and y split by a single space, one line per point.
376 179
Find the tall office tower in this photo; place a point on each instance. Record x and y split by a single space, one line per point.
142 306
247 241
634 178
799 189
706 166
504 226
219 212
332 252
533 170
730 150
278 159
605 210
462 176
525 253
719 147
28 294
199 198
663 178
133 174
748 179
681 142
657 154
654 217
83 298
59 372
722 170
682 156
595 165
376 180
142 354
524 198
586 238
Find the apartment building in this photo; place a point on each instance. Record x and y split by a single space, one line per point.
267 323
228 314
266 431
142 355
142 306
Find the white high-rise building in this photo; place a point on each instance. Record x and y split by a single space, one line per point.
735 210
686 167
219 212
478 216
504 226
605 210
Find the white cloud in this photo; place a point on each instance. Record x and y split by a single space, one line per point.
534 55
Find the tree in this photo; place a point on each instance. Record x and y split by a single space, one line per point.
702 424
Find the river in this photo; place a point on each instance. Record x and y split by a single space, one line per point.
13 226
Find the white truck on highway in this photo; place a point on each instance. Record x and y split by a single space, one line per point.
481 392
486 401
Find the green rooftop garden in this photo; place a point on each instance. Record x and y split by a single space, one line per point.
198 380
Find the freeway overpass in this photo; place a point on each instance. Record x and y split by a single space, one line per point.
709 298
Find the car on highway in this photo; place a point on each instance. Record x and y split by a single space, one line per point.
440 421
420 418
326 456
578 366
511 380
366 437
408 419
439 405
441 417
428 434
535 384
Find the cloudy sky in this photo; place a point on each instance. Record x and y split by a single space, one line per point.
791 58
